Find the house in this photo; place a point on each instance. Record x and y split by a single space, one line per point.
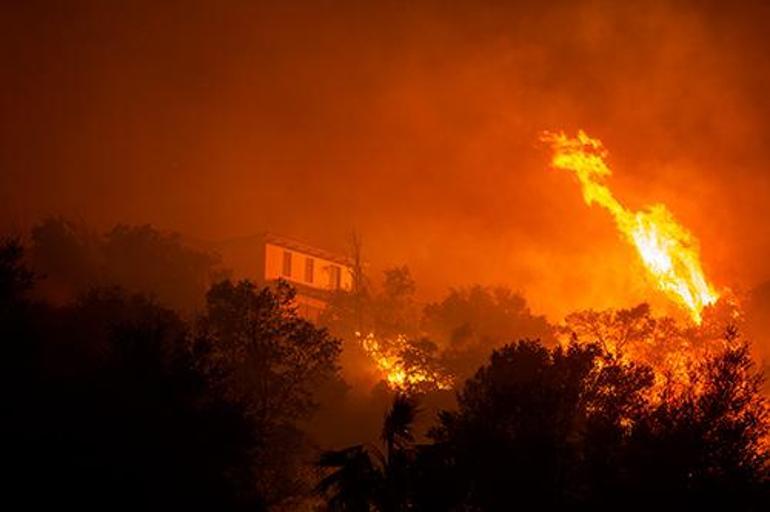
315 273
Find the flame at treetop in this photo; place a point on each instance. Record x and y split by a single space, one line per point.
668 250
403 366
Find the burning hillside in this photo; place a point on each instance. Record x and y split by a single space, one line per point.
404 366
670 255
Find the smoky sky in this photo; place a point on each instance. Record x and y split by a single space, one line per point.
414 123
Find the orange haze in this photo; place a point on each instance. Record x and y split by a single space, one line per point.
415 123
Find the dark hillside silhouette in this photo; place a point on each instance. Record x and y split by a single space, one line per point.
574 429
103 405
113 400
70 258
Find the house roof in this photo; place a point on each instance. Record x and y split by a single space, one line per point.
300 246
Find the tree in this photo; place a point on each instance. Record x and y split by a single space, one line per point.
576 427
673 350
17 319
144 259
138 398
398 438
67 256
103 406
354 481
71 259
15 279
470 322
360 291
394 309
706 447
265 356
388 311
365 478
523 420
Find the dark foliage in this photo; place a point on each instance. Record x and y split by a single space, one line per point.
110 401
103 406
388 312
527 420
706 448
470 322
574 429
71 259
262 354
15 279
364 477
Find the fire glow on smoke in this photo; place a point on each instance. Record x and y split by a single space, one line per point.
669 252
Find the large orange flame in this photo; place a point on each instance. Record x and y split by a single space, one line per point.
668 250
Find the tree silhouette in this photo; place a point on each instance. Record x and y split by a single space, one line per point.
15 279
576 428
67 257
470 322
266 352
103 406
263 355
144 259
391 311
355 480
71 258
520 431
363 477
706 447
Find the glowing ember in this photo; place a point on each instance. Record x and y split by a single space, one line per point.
404 366
667 249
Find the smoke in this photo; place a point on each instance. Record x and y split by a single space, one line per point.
415 124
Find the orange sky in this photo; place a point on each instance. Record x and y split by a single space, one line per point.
415 123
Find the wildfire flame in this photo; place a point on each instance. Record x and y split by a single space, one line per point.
667 249
403 366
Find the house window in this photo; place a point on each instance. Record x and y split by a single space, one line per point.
334 277
309 267
286 264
